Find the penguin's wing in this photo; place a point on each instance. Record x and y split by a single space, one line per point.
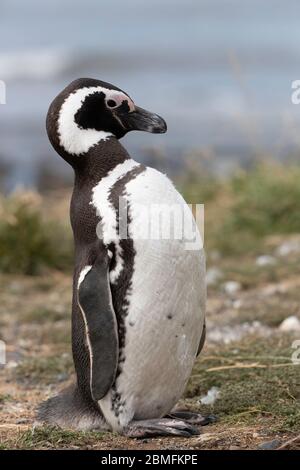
95 302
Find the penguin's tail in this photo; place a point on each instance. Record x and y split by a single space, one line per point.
71 410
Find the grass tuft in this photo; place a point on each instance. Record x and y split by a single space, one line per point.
50 437
249 394
28 241
247 207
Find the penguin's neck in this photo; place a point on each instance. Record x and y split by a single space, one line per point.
99 161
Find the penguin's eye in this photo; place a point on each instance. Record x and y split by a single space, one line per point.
111 103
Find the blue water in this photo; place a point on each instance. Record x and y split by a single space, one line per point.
219 71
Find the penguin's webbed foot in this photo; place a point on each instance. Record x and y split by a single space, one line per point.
193 417
160 427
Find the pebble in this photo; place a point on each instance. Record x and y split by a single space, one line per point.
62 377
270 445
11 364
232 287
291 323
265 260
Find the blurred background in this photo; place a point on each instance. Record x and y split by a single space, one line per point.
219 71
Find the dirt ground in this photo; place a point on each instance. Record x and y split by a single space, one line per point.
245 375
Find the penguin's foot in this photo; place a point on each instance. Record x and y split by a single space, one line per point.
192 417
159 427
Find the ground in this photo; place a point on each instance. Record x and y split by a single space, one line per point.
247 358
248 373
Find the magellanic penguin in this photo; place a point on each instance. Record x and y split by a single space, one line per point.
138 301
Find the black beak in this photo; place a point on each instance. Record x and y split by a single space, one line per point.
142 120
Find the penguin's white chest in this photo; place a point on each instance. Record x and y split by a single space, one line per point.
166 304
163 329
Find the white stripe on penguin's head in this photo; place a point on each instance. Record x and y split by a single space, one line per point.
86 117
89 111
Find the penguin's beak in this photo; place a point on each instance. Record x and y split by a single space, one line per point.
141 120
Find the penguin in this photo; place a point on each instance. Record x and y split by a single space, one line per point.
138 311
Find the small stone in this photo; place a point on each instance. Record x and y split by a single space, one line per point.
11 364
234 448
270 445
62 377
291 323
265 260
232 287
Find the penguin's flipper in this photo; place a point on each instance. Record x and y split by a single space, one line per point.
95 302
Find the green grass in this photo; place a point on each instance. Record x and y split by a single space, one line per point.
4 398
55 438
29 242
267 200
251 394
242 211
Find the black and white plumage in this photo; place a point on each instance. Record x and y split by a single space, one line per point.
138 302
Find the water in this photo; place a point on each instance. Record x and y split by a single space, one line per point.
218 71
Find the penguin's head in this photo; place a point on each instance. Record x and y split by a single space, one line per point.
88 111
